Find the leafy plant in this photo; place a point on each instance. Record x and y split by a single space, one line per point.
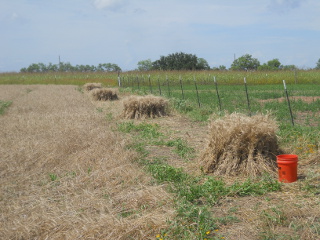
53 177
4 105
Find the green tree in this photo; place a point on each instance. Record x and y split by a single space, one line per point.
271 65
66 67
108 67
202 64
145 65
179 61
289 67
245 62
318 64
34 67
274 63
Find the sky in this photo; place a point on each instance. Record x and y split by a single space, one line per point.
125 32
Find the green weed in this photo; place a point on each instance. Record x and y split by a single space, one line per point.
53 177
80 89
4 105
109 117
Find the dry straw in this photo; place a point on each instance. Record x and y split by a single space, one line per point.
136 107
68 175
241 145
104 94
89 86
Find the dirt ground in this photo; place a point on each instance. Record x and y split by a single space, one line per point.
294 98
66 174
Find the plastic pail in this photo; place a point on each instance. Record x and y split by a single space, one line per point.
287 167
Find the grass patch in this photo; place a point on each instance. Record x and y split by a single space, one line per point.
144 130
181 148
195 194
4 105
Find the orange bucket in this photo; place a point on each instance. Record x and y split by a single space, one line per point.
287 167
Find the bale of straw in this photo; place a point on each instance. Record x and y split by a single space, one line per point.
104 94
241 145
89 86
136 107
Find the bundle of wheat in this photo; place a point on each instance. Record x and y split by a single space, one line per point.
241 145
136 107
89 86
104 94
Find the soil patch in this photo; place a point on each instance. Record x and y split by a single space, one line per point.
294 98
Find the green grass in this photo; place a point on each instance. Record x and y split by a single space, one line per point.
233 99
195 195
181 148
144 130
4 105
61 78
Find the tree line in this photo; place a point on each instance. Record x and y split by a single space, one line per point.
67 67
183 61
174 61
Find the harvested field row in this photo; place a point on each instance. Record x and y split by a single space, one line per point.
66 175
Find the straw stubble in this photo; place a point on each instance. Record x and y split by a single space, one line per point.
66 175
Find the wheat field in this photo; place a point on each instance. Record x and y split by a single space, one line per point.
66 175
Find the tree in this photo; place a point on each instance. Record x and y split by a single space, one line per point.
202 64
180 61
145 65
34 67
245 62
271 65
67 67
289 67
318 64
220 68
108 67
274 63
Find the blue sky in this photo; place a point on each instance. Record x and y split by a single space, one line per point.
124 32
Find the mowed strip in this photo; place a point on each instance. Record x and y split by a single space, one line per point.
66 175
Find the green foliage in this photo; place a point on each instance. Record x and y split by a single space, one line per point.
145 130
108 67
4 105
220 68
318 65
67 67
53 177
145 65
182 105
245 62
202 64
289 67
191 222
271 65
180 61
181 148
